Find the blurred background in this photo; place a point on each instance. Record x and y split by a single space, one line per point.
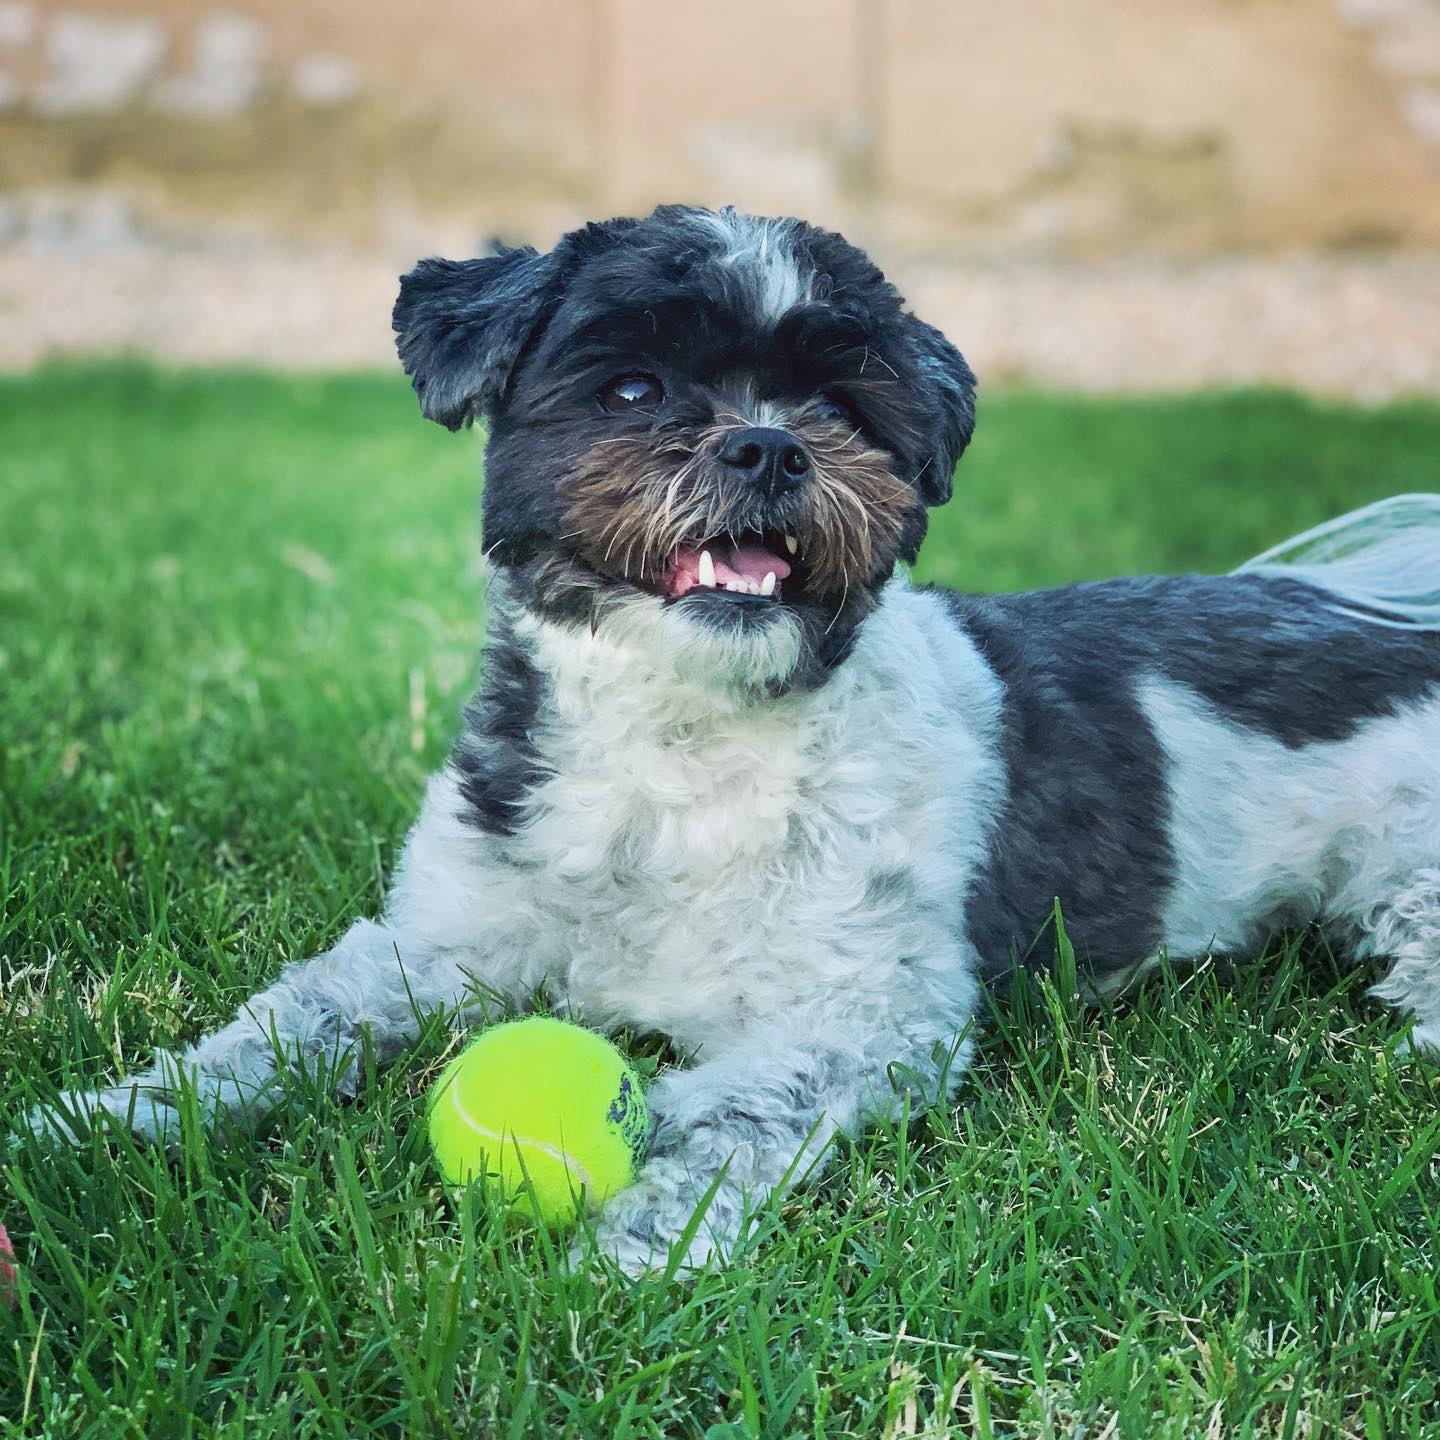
1097 194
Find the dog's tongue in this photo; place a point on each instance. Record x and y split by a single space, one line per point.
747 560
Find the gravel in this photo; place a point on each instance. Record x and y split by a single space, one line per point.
1358 326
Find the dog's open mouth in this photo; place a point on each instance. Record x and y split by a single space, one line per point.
755 563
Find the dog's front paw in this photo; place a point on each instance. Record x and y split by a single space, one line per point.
138 1107
1421 1044
641 1229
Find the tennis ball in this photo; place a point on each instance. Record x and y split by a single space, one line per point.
543 1102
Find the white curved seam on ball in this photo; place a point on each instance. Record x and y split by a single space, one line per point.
576 1169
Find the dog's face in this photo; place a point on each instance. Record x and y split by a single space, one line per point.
712 433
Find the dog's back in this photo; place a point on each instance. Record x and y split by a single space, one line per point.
1216 738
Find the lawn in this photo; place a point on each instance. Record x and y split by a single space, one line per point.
238 614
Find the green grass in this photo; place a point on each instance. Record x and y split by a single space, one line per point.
237 617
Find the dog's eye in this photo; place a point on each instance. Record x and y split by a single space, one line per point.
827 407
631 392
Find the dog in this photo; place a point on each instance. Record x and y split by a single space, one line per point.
730 777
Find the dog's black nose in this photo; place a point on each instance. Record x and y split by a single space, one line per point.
772 458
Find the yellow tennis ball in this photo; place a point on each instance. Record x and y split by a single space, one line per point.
543 1102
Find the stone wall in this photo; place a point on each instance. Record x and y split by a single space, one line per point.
1053 128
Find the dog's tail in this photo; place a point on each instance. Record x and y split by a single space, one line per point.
1381 563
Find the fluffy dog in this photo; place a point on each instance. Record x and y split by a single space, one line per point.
731 778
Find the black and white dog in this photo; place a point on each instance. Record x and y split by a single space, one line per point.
731 778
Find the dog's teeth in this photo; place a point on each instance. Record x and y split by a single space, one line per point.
707 570
791 544
767 585
734 586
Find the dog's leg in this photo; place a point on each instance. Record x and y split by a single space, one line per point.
1406 930
310 1017
448 936
755 1119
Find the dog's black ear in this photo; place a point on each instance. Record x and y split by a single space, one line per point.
460 326
949 390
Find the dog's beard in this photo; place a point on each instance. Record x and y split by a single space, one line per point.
646 509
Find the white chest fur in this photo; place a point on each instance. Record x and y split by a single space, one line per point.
695 859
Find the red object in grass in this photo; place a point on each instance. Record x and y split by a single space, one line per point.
7 1271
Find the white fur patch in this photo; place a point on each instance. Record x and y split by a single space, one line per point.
1344 832
765 251
1381 558
702 857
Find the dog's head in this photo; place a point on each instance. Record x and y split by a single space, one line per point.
711 433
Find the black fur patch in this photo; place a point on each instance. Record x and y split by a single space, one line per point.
1085 814
461 326
1269 653
1086 818
496 757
